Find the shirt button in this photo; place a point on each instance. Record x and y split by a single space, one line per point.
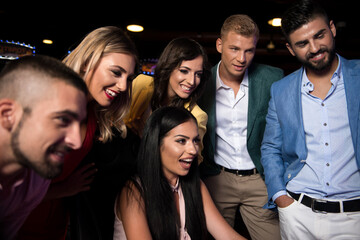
327 184
327 164
322 104
326 144
325 124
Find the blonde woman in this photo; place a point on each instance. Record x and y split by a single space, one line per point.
106 59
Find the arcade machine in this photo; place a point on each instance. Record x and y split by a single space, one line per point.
11 50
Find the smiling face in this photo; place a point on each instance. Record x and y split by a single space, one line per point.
46 133
178 149
110 77
185 79
237 52
313 44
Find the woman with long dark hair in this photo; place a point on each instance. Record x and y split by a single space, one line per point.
180 76
167 199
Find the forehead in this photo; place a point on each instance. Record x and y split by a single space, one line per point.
123 60
188 128
233 38
61 97
196 63
308 30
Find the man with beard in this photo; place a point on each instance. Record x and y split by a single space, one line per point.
311 145
42 105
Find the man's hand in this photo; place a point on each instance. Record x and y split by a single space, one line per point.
284 201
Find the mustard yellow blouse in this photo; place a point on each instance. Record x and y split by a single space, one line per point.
140 109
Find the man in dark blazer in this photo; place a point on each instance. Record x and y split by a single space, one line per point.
236 101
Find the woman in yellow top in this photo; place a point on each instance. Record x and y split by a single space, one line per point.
180 76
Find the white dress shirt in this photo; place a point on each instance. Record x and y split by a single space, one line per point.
231 125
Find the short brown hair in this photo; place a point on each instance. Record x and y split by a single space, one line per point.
240 24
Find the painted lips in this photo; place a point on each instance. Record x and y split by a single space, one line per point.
111 94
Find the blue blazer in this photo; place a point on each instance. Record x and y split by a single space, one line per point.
283 149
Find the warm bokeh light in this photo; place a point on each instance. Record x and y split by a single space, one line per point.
47 41
135 28
275 22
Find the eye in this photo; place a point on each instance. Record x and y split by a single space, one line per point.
320 36
199 74
116 73
197 140
63 121
181 141
184 71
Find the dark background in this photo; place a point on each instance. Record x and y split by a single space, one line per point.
67 22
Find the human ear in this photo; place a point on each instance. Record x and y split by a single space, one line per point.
219 45
290 49
7 113
332 28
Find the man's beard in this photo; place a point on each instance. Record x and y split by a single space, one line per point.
322 65
44 167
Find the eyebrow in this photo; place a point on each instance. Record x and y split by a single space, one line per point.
180 135
120 68
190 68
315 35
69 113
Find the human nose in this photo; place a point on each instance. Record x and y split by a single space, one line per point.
121 84
73 137
314 48
192 148
191 79
241 57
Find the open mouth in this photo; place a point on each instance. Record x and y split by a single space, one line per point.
57 156
186 163
186 89
58 153
110 93
239 67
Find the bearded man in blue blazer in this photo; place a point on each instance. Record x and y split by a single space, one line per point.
236 101
311 146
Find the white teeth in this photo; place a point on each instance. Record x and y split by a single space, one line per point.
187 160
185 88
111 93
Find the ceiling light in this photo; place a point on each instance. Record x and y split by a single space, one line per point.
135 28
47 41
275 22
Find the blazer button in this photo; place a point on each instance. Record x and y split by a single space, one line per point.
289 176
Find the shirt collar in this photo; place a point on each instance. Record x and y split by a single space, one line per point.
308 86
220 83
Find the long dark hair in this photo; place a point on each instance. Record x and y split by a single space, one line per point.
177 51
161 212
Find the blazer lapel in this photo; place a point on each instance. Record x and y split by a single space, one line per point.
351 76
255 98
292 108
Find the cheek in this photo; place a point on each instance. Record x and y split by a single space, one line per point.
96 82
174 80
170 154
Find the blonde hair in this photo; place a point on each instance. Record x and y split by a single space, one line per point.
240 24
86 56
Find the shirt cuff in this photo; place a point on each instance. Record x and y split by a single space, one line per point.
278 194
